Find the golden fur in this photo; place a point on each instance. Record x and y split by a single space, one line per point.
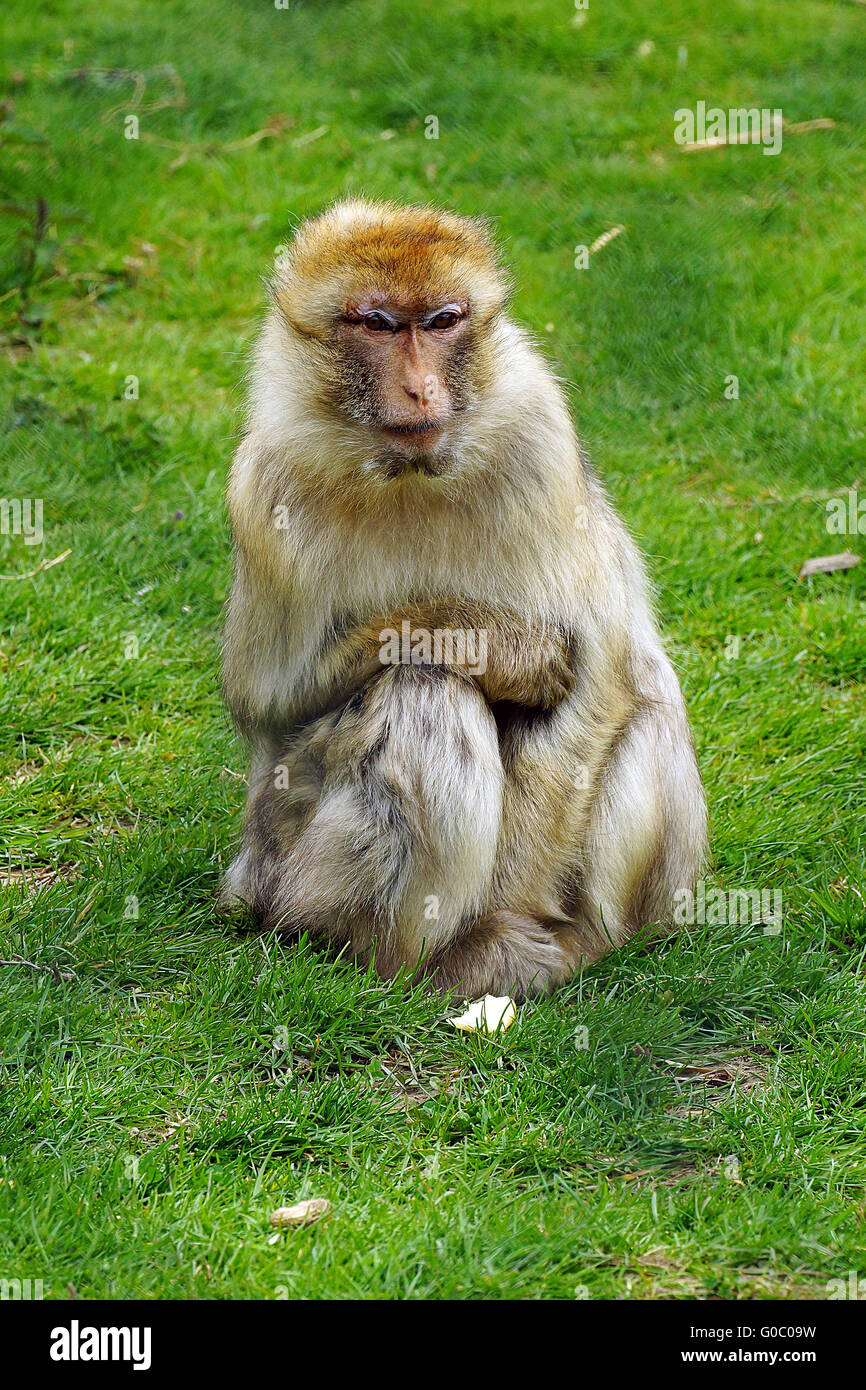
504 828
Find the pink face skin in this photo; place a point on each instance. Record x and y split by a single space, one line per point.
406 348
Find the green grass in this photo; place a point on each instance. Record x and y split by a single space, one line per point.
166 1081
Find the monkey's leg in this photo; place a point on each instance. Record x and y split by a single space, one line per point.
390 843
285 784
378 826
503 953
603 815
646 834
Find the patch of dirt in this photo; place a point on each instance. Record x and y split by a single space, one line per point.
23 774
662 1273
37 876
743 1074
158 1134
402 1084
120 825
52 969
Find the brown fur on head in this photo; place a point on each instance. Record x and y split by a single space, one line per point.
394 305
359 246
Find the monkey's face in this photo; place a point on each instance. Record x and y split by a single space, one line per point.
403 371
391 312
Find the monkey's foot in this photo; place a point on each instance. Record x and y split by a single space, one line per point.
234 892
505 953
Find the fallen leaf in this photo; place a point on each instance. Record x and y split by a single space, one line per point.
803 127
748 137
605 237
43 565
826 564
276 125
310 136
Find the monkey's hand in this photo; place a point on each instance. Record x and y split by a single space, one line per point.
533 667
526 664
555 673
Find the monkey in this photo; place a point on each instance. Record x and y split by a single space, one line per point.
410 470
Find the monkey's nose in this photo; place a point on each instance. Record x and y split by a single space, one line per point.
424 392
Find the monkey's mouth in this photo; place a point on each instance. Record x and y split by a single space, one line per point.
416 436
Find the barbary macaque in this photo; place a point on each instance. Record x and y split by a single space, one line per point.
470 753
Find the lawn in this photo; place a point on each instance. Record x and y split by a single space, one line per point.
681 1122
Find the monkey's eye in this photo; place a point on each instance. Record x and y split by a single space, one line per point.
446 318
378 323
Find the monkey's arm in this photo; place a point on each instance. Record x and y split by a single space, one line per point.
270 683
526 664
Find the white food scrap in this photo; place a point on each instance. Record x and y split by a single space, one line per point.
487 1015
